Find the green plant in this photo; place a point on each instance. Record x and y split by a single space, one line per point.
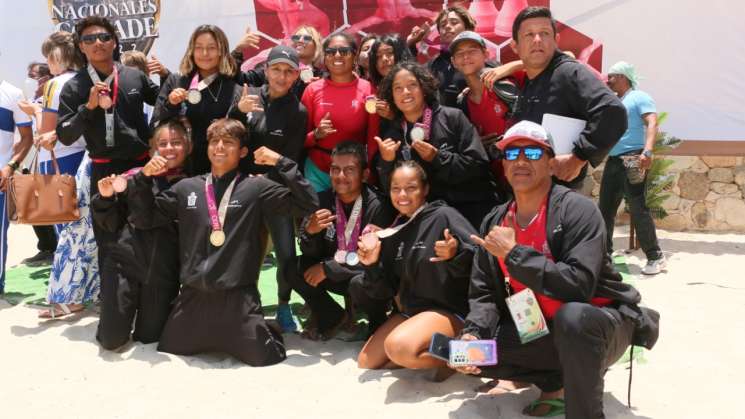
659 181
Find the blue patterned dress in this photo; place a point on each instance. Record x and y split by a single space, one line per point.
74 278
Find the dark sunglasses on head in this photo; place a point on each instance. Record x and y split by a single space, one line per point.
343 51
530 152
304 38
91 38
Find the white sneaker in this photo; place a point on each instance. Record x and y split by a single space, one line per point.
654 267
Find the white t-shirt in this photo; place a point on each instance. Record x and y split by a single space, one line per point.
11 116
50 103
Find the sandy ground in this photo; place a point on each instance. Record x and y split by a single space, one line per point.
55 369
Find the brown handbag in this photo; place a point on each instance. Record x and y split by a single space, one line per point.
38 199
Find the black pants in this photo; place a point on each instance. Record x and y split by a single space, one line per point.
327 311
282 230
229 321
128 299
106 242
584 342
47 238
615 186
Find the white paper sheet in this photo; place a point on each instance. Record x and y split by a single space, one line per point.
565 131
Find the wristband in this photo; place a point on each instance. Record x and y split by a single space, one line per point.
13 165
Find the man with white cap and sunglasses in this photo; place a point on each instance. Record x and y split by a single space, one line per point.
545 290
624 176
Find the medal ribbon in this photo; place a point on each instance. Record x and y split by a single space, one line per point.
201 85
114 76
390 231
217 215
426 123
351 228
109 118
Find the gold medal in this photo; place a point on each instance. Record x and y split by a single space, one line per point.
217 238
370 104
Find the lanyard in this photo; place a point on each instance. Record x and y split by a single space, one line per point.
108 116
114 76
347 231
511 218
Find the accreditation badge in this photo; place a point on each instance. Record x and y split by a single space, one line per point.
527 315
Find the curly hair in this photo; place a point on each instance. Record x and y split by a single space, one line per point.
427 82
401 53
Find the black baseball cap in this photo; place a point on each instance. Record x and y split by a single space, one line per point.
466 36
283 54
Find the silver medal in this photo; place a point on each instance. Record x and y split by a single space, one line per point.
306 75
417 134
352 259
194 96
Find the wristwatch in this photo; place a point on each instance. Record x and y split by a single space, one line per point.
13 165
647 153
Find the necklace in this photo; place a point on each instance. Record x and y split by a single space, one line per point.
219 90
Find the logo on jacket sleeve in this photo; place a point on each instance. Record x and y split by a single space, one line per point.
191 200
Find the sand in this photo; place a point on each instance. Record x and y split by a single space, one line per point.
55 369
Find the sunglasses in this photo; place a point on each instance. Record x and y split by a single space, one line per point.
91 38
304 38
532 153
343 51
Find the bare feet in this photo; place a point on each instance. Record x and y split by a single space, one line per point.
60 310
497 387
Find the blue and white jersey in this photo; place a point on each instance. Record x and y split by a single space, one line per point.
11 116
50 103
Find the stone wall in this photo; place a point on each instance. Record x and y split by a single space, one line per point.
707 194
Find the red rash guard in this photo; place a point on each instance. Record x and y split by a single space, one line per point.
345 102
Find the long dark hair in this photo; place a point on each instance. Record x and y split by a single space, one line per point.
401 53
427 82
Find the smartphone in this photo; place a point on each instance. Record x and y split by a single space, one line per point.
472 352
439 346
